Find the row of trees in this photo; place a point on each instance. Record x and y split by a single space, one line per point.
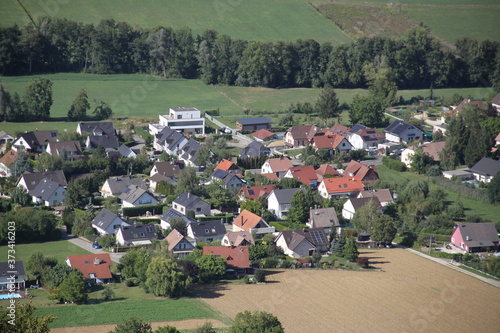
417 59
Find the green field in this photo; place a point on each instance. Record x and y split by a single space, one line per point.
58 249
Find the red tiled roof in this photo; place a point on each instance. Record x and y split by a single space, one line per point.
86 263
327 169
225 165
235 256
339 129
328 141
247 220
8 158
271 176
343 184
360 170
255 192
281 164
466 102
263 134
304 173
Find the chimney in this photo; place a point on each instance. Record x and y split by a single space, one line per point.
97 261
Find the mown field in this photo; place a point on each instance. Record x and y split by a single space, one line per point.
58 249
412 294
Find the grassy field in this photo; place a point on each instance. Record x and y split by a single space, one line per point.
58 249
12 13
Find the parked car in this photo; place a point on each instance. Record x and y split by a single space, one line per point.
96 245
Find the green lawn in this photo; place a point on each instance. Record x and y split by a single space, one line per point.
12 13
59 249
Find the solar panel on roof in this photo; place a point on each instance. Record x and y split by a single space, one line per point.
318 237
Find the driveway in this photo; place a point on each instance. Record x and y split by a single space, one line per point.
115 257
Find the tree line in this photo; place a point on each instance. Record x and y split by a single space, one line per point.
417 60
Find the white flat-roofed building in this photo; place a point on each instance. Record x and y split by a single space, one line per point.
184 120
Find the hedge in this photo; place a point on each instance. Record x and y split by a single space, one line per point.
146 221
279 226
141 210
393 164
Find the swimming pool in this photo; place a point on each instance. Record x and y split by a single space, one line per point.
8 296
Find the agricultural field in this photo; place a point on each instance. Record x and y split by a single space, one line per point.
411 294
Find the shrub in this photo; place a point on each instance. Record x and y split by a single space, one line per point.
409 238
393 164
246 279
260 275
271 262
141 210
363 262
132 282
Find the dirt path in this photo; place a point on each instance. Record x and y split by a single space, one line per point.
180 325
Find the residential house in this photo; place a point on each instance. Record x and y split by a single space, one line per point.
306 174
72 150
228 166
367 173
362 137
325 218
238 238
227 179
340 129
331 143
5 137
476 237
279 201
96 268
402 132
326 170
278 166
179 244
107 222
334 188
466 102
383 195
171 213
485 169
135 235
167 169
352 205
134 196
207 231
431 149
252 223
6 273
299 136
127 152
263 135
6 161
96 129
495 102
29 180
301 243
440 127
188 202
182 119
236 257
34 141
48 193
169 140
157 178
108 142
114 186
255 192
254 149
253 124
189 152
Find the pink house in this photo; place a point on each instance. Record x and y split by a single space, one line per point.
476 237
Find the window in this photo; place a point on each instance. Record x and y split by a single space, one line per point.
179 116
182 209
175 206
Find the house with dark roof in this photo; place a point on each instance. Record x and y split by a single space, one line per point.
114 186
353 205
495 102
253 124
71 149
48 193
189 152
167 169
171 213
96 268
6 161
402 132
299 136
255 192
6 272
157 178
207 231
34 141
108 142
476 237
306 174
107 222
485 169
279 201
301 243
187 201
236 257
325 218
134 196
238 238
97 128
227 179
278 166
179 244
263 135
169 140
367 173
128 152
29 180
135 235
362 137
338 187
252 223
254 149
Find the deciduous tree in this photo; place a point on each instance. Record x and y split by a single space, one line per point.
38 99
78 110
256 322
74 288
327 104
164 278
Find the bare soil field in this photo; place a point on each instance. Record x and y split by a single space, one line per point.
411 294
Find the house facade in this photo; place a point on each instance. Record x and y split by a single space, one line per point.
300 136
188 202
278 166
403 132
96 268
34 141
238 238
135 196
6 161
301 243
476 237
136 235
335 188
253 124
251 223
6 273
108 223
48 193
207 231
179 244
279 201
485 169
182 119
431 149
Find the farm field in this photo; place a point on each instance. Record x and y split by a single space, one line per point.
412 294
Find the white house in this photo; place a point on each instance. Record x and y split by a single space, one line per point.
352 205
179 244
302 242
135 196
278 166
48 193
107 222
485 169
401 131
184 120
362 137
279 201
6 161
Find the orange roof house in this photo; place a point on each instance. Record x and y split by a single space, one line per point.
94 267
236 257
326 170
334 188
263 135
255 192
5 163
306 174
227 165
248 221
331 142
364 172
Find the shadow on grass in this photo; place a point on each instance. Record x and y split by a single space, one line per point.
213 290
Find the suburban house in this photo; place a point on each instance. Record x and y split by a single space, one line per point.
463 174
278 166
134 196
402 132
182 119
485 169
6 161
169 140
325 218
187 201
107 222
254 149
431 149
167 169
134 235
384 196
332 142
255 192
476 237
263 135
6 272
326 170
301 243
279 201
29 180
114 186
362 137
71 149
238 238
236 257
253 124
5 137
48 193
96 268
96 129
227 179
179 244
364 172
127 152
171 213
228 166
189 152
207 231
352 205
340 129
251 223
465 102
306 174
334 188
108 142
34 141
157 178
299 136
440 127
495 102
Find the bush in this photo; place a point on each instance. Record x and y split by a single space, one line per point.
141 210
246 279
271 262
393 164
132 282
409 238
260 276
363 262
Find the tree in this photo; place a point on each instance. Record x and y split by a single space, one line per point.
368 111
22 164
327 104
164 278
107 241
252 206
38 99
381 81
299 210
178 224
420 160
74 289
340 244
132 325
102 111
20 196
366 216
494 189
58 273
256 322
76 195
78 110
210 267
384 230
351 250
108 293
25 321
47 162
187 181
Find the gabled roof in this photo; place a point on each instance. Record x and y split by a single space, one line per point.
305 132
496 100
169 136
45 189
255 192
254 149
486 167
398 127
33 178
315 236
235 256
466 102
280 164
226 165
432 149
132 193
235 238
285 196
327 169
306 174
39 138
207 228
254 121
383 195
478 234
190 150
263 134
247 220
328 141
118 185
174 237
56 147
323 218
4 135
339 129
8 158
157 177
343 184
104 219
107 141
187 199
138 232
169 169
357 128
357 169
123 150
169 213
97 264
357 203
105 127
6 269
